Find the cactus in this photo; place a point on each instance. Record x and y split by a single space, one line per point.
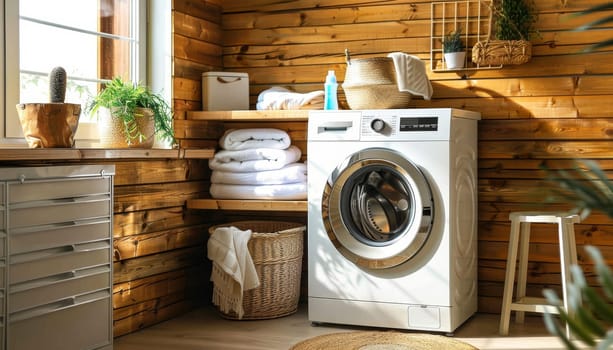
57 85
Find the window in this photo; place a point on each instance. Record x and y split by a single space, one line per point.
93 40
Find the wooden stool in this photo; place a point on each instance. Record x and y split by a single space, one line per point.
520 233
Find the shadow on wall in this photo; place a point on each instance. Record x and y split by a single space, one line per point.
474 98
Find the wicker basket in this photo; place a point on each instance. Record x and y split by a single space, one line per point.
370 83
501 52
276 249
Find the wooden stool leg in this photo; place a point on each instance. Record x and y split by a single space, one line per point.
568 257
522 271
505 313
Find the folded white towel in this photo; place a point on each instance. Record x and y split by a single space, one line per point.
291 173
411 74
226 156
292 154
295 191
233 269
237 139
281 98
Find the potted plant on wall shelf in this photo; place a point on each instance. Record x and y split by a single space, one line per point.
131 115
513 28
453 50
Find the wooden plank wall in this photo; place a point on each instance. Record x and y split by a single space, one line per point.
159 262
554 109
197 41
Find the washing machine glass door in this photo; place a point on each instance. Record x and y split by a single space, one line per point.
377 208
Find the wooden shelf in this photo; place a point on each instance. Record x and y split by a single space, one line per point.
251 115
256 205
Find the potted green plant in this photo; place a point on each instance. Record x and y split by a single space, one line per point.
50 124
131 115
453 50
510 42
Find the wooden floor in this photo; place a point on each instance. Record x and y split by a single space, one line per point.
205 329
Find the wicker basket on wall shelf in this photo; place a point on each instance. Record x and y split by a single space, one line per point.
507 43
501 52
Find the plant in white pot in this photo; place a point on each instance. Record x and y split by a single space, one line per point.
131 115
453 50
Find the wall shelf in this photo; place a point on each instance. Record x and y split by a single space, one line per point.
251 115
274 116
244 205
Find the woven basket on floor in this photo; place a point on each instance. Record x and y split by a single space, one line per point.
276 248
501 52
371 83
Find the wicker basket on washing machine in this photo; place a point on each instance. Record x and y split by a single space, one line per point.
370 83
276 248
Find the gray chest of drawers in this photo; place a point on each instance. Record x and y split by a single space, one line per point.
56 257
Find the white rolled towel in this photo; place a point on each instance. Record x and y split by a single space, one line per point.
296 191
291 173
237 139
226 156
281 98
292 155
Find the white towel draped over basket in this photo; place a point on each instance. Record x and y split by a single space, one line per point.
233 269
411 75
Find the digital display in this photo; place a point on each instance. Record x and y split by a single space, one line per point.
419 124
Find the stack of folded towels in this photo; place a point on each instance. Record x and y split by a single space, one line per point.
257 163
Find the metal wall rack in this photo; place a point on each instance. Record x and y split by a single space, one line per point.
472 17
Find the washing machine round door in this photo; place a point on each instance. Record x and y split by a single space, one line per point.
377 208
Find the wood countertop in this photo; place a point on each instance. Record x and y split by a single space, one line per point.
16 154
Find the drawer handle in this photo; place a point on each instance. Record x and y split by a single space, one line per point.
60 305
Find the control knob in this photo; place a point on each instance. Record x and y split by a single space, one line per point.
378 125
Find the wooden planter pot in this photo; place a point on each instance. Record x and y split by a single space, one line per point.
501 52
112 134
49 125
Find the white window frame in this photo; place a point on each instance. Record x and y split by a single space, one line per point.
153 68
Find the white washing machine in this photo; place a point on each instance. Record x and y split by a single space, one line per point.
392 218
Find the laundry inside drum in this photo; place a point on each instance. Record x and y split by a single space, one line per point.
380 206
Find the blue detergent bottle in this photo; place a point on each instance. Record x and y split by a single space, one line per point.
330 87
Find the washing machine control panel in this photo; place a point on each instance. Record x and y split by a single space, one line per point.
395 125
380 125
